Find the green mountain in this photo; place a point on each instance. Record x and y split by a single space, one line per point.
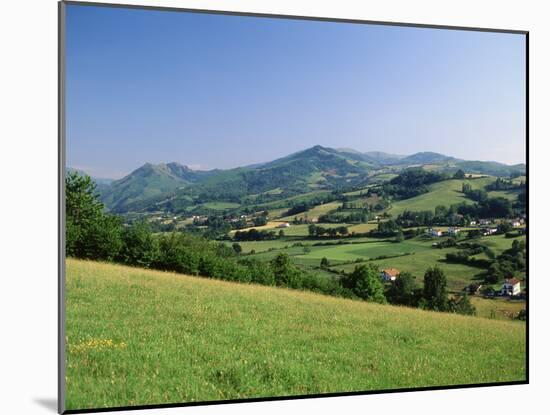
383 158
491 167
311 169
174 187
426 157
149 181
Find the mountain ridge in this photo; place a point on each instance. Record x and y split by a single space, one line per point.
316 167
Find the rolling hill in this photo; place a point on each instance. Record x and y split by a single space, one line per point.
148 181
314 168
175 188
426 157
140 337
447 192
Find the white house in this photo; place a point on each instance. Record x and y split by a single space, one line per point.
484 222
516 224
389 274
473 223
511 287
489 231
434 233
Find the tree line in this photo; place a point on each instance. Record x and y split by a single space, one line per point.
365 283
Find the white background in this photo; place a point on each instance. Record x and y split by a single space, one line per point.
28 204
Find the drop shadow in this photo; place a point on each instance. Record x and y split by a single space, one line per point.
48 403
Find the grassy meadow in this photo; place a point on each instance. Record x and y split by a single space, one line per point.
137 337
444 193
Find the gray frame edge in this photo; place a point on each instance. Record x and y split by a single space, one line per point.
61 210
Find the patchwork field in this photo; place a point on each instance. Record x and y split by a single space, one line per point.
444 193
314 213
139 337
366 250
413 255
421 257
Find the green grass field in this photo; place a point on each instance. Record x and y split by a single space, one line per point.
138 337
506 194
363 227
220 205
422 256
314 213
445 193
498 308
367 250
499 243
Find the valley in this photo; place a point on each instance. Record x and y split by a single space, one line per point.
329 211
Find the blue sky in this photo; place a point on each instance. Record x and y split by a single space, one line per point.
215 91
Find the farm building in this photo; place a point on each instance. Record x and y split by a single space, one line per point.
389 274
283 225
511 286
434 233
489 231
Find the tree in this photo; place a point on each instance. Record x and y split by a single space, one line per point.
324 262
237 248
365 283
462 305
102 239
138 246
459 175
403 290
260 220
281 234
81 201
504 227
284 271
435 289
90 233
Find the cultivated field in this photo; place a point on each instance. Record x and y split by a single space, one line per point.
140 337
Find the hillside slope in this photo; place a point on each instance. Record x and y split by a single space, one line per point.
140 337
446 193
148 181
175 188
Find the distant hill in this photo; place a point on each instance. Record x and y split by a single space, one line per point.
313 168
491 167
383 158
426 157
102 184
175 187
148 181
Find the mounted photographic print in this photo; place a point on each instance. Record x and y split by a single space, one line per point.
260 207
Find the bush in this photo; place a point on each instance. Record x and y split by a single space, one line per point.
139 248
365 283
